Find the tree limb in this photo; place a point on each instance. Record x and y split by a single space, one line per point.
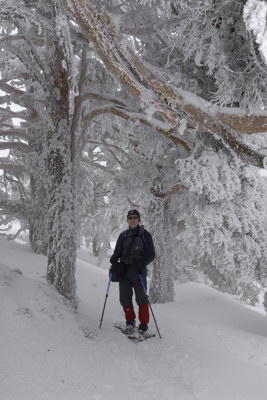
17 132
167 193
12 167
15 146
152 123
97 165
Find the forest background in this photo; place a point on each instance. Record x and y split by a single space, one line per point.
150 104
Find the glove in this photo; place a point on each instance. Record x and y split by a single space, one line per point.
113 259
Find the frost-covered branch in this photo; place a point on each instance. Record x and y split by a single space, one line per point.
77 145
97 165
98 96
167 193
109 146
15 146
7 165
12 207
160 126
141 82
132 203
18 183
17 132
18 96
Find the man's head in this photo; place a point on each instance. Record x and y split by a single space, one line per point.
133 218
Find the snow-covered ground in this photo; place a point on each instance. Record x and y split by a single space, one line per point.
212 346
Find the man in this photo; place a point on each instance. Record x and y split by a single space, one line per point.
135 249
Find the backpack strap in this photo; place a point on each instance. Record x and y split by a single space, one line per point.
132 242
142 235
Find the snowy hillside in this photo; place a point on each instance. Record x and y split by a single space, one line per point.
212 347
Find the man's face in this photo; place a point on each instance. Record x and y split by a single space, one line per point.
133 221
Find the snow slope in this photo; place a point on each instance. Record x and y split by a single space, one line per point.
212 346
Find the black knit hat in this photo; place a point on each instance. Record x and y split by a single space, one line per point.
134 212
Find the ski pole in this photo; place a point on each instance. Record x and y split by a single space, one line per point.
101 319
141 279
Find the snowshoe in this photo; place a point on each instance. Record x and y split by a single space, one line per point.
140 336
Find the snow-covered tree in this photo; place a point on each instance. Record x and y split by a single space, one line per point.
44 71
195 66
168 91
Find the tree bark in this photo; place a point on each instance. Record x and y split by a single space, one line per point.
37 217
162 281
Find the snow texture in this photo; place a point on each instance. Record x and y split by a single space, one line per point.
255 13
212 346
